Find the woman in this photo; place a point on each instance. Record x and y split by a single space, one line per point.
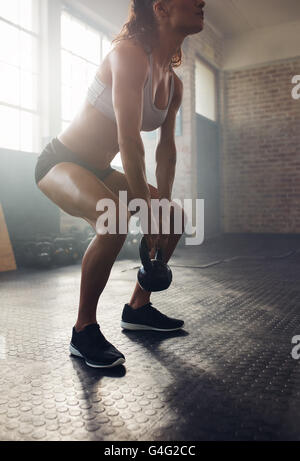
134 90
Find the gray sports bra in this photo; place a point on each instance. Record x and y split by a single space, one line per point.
100 96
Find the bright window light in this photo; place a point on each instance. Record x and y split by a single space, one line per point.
19 69
23 13
205 91
82 50
106 47
10 137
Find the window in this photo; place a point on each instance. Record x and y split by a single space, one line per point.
205 91
19 69
82 50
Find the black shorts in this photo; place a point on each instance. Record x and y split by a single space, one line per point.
55 152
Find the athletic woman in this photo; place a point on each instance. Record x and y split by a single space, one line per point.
134 90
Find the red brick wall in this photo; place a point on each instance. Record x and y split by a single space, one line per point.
260 159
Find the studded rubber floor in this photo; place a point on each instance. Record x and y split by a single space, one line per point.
229 375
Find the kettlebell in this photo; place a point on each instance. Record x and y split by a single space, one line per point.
154 274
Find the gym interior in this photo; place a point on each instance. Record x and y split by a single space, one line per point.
233 372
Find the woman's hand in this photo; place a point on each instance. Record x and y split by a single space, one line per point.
150 229
163 238
156 238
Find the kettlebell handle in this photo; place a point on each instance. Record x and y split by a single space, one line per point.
144 255
159 254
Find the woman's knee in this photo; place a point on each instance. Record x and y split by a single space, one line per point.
114 220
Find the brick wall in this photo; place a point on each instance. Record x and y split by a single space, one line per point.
261 150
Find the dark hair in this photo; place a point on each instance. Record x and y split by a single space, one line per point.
141 27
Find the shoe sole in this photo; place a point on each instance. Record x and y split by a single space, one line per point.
136 326
76 353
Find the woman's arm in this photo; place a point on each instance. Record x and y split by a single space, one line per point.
129 66
166 152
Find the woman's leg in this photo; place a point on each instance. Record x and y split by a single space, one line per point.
77 191
141 297
117 182
96 267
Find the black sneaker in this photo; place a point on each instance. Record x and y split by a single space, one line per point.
148 318
91 345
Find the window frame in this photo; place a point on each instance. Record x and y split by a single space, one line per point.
37 35
48 71
215 72
92 25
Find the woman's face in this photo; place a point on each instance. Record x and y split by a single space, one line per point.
186 15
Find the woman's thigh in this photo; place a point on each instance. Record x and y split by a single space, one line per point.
76 190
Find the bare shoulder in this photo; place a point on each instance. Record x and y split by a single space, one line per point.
129 59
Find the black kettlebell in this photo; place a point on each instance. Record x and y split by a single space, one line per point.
154 274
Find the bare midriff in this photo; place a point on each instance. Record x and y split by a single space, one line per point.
92 136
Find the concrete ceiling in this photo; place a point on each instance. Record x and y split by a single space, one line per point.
235 17
229 17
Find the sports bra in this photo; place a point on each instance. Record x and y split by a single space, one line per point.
100 96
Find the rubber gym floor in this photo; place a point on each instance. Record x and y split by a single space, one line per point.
229 375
